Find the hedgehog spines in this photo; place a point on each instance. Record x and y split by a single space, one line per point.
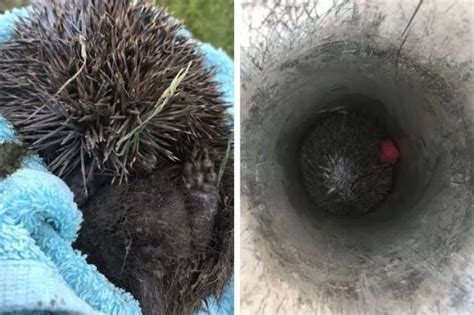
340 167
89 72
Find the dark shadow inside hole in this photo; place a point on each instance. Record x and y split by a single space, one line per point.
288 154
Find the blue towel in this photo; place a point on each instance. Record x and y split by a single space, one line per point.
40 272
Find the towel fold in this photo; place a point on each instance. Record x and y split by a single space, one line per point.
39 268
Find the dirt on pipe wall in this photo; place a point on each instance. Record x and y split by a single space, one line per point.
407 63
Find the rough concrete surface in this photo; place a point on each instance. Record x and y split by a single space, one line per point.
412 61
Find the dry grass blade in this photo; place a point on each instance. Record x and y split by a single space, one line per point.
82 42
224 161
163 100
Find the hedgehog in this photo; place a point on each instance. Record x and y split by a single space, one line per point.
86 83
347 163
119 103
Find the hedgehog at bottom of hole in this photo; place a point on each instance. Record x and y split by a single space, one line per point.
347 163
157 237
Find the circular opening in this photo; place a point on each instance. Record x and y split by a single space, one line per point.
416 246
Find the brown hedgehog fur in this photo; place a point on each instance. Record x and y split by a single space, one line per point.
166 242
77 78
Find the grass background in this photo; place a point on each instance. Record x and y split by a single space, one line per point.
210 21
8 4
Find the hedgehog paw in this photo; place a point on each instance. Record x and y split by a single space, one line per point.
200 180
202 196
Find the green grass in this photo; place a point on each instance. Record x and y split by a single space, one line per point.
9 4
210 21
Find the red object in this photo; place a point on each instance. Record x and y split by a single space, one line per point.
388 152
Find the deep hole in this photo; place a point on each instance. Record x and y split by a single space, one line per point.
406 179
416 239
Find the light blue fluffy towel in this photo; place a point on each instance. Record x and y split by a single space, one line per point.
40 272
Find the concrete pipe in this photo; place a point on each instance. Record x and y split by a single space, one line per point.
408 64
